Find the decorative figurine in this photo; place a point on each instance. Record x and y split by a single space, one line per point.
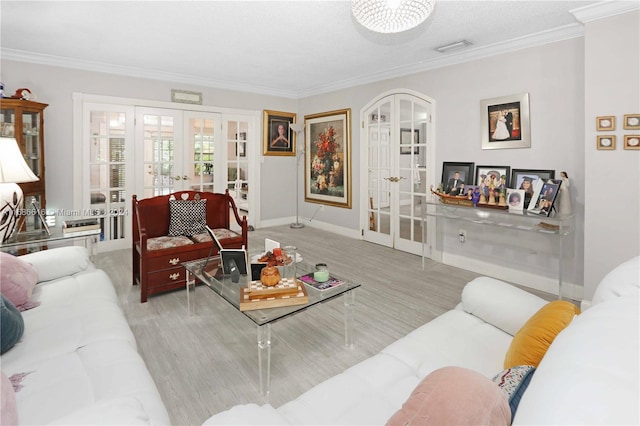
564 197
475 197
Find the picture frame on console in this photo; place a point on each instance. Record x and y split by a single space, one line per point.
277 137
449 170
527 179
327 153
499 174
505 122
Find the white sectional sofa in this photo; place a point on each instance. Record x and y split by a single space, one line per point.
588 375
77 361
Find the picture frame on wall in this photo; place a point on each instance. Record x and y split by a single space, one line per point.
498 176
606 142
505 122
631 141
328 158
277 137
449 170
406 141
605 123
528 179
631 122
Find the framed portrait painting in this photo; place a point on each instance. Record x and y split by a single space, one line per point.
505 122
278 137
456 174
328 158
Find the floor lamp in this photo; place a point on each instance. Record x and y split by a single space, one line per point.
297 128
13 170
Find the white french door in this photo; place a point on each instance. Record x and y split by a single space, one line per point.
107 175
397 145
178 150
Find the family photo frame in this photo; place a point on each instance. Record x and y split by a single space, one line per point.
449 170
505 122
278 138
498 175
327 177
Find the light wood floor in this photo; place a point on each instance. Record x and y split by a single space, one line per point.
206 363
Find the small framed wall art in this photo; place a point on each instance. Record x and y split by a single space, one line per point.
606 142
505 122
631 141
605 122
631 122
278 138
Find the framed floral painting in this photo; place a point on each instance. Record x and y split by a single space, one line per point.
328 158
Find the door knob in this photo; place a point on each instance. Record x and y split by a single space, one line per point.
177 178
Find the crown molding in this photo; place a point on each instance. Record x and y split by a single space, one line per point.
59 61
565 32
604 9
537 39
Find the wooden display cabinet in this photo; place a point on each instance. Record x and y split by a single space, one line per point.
24 120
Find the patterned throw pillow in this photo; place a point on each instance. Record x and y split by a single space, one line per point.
513 382
187 217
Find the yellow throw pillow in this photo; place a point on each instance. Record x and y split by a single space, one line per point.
531 342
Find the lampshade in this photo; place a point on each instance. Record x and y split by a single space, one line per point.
13 168
391 16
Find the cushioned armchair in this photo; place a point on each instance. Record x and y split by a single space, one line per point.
169 230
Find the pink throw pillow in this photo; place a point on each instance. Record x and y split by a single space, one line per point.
17 281
8 408
454 396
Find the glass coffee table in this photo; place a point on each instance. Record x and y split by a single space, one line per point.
263 318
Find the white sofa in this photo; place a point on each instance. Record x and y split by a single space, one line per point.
77 357
589 375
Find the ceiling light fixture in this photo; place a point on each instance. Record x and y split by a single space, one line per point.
452 46
391 16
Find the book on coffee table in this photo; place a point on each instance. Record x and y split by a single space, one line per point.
330 283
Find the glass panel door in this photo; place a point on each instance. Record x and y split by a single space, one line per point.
413 120
159 136
238 163
202 134
379 170
397 142
108 149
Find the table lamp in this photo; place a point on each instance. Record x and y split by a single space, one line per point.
13 170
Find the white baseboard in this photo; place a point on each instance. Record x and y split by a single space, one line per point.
317 224
548 285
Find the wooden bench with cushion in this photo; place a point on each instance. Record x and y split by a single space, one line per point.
169 230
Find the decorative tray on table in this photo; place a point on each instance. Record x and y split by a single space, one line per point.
287 292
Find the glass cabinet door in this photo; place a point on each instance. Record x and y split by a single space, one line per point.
23 120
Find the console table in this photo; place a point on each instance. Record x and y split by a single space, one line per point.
39 240
461 230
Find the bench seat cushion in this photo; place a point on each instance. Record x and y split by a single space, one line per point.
166 242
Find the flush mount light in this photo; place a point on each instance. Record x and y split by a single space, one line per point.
391 16
452 46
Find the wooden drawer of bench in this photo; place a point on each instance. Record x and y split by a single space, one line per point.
175 275
173 260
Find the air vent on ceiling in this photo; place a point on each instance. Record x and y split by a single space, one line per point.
453 46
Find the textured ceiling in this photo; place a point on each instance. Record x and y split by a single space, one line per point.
287 48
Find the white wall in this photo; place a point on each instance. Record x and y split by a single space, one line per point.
55 85
552 74
612 87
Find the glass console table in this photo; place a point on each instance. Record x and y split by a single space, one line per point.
37 240
481 236
263 318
